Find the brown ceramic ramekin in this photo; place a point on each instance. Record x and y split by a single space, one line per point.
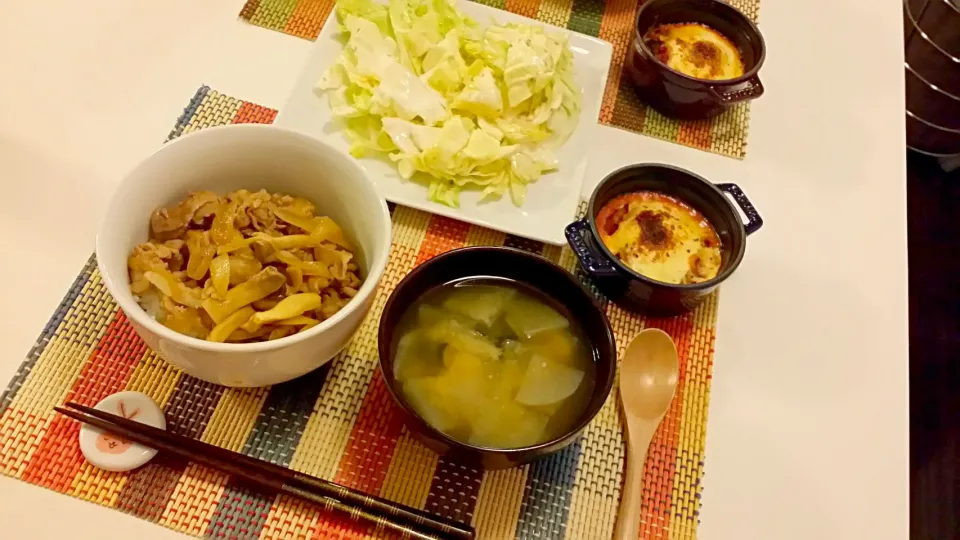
680 96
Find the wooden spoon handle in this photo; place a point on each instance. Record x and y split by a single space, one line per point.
628 522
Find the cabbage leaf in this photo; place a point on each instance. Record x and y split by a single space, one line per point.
460 106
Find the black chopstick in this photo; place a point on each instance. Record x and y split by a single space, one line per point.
271 476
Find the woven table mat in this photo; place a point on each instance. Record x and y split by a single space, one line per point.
610 20
338 422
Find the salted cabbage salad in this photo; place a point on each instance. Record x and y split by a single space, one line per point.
466 106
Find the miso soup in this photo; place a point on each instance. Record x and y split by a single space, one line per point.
493 363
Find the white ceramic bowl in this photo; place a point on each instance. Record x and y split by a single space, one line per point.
250 156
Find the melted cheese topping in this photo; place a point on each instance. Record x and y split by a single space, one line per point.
695 50
660 237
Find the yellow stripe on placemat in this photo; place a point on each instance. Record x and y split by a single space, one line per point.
555 12
198 490
194 500
730 131
624 326
290 518
693 423
328 430
409 226
596 488
750 8
553 253
20 435
364 342
53 375
498 503
410 473
155 378
322 443
567 259
480 236
216 109
233 418
97 485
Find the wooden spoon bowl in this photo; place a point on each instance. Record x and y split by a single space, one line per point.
649 372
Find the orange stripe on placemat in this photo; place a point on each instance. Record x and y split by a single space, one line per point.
339 526
527 8
372 441
443 234
111 364
57 460
369 450
308 17
698 134
290 517
251 113
659 471
617 28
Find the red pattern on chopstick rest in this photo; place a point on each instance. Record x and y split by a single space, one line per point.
57 460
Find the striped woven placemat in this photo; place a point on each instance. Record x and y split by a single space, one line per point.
610 20
338 422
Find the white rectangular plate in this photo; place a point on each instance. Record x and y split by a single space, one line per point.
551 201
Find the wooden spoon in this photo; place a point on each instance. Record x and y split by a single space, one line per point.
648 379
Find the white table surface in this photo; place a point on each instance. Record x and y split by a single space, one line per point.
808 424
